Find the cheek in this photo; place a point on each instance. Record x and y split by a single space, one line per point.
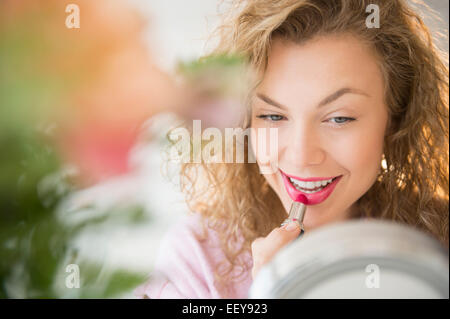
264 161
265 145
253 138
360 154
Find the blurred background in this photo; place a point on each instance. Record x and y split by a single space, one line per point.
84 114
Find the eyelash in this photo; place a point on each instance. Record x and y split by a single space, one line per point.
268 117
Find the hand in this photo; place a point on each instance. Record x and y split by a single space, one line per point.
264 248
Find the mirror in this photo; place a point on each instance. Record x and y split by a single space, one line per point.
357 259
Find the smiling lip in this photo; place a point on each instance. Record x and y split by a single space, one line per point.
313 198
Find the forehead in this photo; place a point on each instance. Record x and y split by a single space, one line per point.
319 66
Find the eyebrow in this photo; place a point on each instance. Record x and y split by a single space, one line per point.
332 97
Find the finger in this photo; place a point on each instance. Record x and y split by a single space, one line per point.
259 255
256 243
283 235
263 249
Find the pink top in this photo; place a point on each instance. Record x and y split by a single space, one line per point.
185 266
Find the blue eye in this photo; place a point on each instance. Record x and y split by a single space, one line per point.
342 120
339 120
271 117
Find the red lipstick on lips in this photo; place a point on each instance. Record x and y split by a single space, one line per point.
312 198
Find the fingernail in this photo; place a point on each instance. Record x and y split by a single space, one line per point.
292 226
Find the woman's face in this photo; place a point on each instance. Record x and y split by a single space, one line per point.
325 97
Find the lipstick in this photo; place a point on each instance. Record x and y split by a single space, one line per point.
297 212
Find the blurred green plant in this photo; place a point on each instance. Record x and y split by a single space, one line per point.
35 242
222 75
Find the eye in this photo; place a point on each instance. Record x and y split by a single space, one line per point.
342 120
271 117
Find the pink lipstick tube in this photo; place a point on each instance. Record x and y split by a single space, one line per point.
297 214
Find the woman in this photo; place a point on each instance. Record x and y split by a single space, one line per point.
345 98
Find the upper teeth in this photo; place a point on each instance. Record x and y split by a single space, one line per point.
310 185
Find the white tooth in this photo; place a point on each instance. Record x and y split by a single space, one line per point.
310 184
305 191
326 182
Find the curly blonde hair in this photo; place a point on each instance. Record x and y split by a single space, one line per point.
413 186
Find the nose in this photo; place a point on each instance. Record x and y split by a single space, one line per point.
303 147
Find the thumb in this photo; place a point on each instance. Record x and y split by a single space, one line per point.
282 236
292 228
